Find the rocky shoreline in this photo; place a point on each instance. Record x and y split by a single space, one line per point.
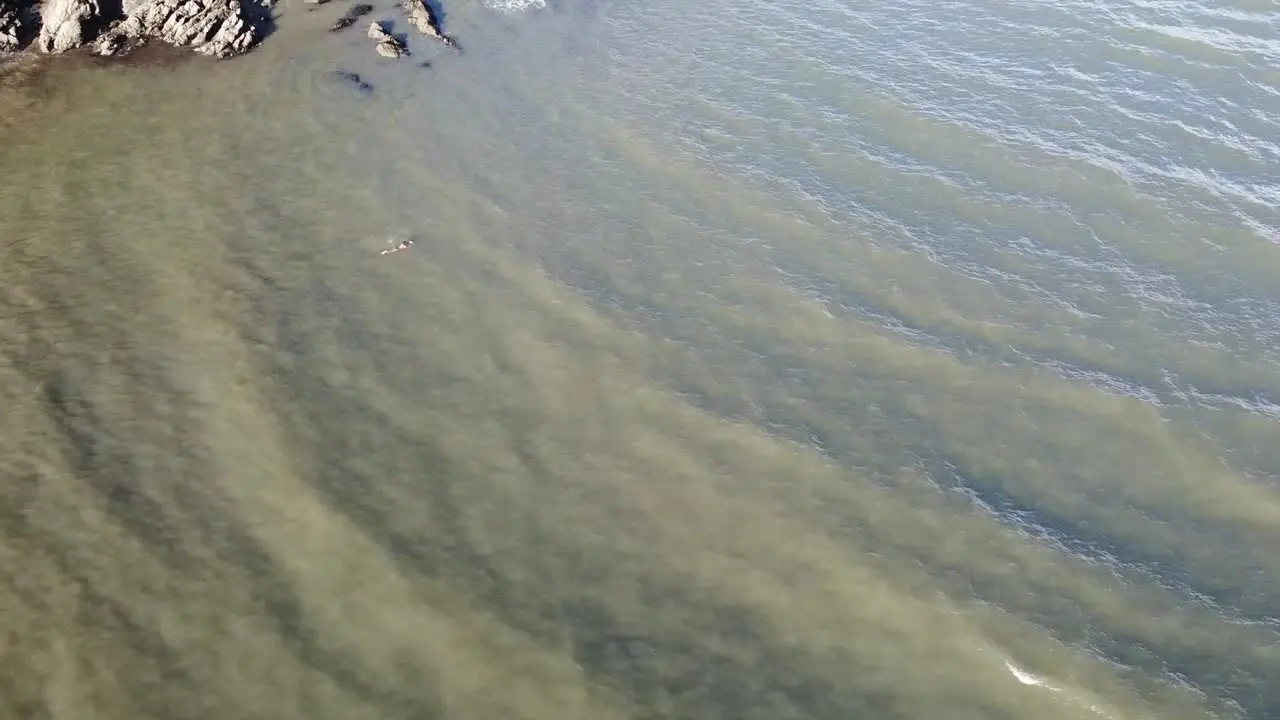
217 28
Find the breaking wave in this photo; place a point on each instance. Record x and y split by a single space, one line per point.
515 6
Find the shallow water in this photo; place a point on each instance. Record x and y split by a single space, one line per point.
777 360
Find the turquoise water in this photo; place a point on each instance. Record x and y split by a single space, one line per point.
812 360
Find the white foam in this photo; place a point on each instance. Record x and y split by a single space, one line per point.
1027 678
515 6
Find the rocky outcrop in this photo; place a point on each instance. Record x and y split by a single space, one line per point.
422 17
220 28
66 24
389 46
19 23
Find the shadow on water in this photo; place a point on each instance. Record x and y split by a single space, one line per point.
261 17
438 10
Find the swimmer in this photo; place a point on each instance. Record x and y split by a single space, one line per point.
404 245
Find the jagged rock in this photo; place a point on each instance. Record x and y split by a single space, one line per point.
66 24
114 42
212 27
388 45
236 36
421 17
355 13
220 28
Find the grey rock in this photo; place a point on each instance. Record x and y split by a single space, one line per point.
66 24
211 27
422 17
236 36
388 45
113 42
220 28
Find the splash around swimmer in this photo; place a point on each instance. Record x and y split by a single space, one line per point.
404 245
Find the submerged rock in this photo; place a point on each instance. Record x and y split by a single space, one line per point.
355 13
422 17
354 79
388 45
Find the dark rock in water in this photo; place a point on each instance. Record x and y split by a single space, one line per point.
355 13
354 79
422 17
389 46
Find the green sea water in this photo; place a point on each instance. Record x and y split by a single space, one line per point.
752 360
